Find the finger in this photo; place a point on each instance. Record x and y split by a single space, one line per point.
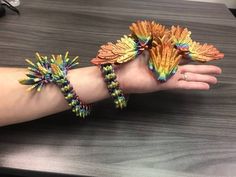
200 69
193 77
192 85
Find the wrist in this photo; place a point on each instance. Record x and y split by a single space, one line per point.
122 78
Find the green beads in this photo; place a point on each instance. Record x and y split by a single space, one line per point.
120 102
80 109
113 86
110 76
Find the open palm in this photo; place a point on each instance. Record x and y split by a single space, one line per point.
135 77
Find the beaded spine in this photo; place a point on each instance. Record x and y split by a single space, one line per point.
77 106
113 86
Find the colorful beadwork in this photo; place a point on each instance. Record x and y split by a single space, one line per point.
160 34
181 38
164 61
113 86
142 32
54 70
202 53
40 73
124 50
155 37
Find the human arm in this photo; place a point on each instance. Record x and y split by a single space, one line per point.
18 105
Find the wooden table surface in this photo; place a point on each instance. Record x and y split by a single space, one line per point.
164 134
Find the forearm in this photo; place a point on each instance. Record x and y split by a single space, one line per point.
18 105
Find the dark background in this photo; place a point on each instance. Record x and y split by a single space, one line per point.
233 12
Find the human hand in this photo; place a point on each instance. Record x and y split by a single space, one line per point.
135 77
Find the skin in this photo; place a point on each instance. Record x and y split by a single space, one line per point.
17 105
199 77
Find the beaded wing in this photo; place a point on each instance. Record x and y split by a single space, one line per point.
180 38
124 50
202 53
164 60
160 34
142 32
191 49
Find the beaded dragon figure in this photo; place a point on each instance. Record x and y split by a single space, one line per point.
166 47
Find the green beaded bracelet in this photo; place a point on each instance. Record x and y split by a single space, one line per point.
113 86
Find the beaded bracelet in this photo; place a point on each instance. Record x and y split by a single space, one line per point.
55 71
113 86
